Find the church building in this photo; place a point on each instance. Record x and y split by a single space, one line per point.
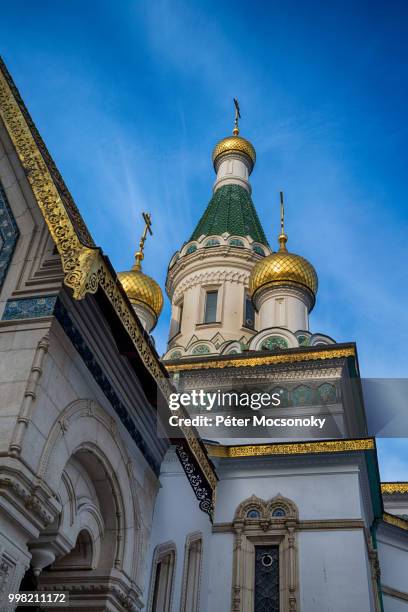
99 496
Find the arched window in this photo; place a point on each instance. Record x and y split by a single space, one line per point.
265 555
192 573
258 250
162 578
236 242
191 249
213 242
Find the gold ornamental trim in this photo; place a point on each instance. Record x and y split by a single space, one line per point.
84 266
395 520
392 488
262 360
301 448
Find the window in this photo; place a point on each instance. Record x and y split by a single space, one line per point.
249 318
266 594
236 242
191 249
162 579
213 242
265 555
259 250
210 312
192 570
179 318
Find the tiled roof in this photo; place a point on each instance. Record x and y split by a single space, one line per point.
230 210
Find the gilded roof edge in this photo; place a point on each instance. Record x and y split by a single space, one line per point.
298 448
84 265
395 520
254 359
394 488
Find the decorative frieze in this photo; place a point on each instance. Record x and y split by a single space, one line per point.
9 234
29 308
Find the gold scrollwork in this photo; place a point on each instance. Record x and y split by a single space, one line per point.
392 488
264 359
84 266
301 448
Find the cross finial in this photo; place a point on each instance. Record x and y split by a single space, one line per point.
282 236
147 218
235 131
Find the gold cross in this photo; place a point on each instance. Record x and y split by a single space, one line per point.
282 213
235 131
147 218
282 236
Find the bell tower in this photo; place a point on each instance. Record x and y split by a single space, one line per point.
208 278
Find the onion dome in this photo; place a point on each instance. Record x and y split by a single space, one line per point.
143 292
282 269
142 289
234 144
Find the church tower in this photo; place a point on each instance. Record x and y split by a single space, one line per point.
229 291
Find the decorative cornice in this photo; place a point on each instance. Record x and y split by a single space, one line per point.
305 525
192 270
252 361
211 276
32 498
85 268
394 488
300 448
396 521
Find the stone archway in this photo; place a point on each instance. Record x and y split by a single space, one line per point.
95 546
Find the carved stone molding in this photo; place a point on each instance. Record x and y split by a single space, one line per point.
208 276
32 500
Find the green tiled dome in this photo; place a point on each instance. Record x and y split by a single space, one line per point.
230 210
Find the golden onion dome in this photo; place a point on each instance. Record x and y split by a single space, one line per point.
234 144
283 268
142 289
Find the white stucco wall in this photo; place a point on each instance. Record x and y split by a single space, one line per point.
176 516
318 492
393 557
333 572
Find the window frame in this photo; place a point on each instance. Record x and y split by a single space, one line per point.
212 291
162 551
191 540
244 321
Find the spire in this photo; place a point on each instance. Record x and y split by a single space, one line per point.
282 238
139 255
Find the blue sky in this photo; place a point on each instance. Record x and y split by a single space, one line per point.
130 98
